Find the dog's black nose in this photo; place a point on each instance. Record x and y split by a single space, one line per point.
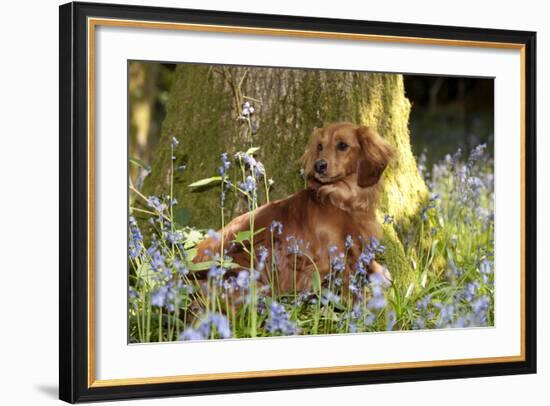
321 166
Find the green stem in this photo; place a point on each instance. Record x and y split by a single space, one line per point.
266 187
295 258
160 324
272 279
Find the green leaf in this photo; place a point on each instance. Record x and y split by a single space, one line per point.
245 235
140 163
182 216
242 236
145 273
190 254
200 266
203 266
316 282
213 181
252 150
192 238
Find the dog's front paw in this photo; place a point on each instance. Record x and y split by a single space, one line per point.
379 273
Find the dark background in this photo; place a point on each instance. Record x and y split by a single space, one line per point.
449 113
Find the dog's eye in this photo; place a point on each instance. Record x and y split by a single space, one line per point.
319 147
342 146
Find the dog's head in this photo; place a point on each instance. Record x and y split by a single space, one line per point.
342 150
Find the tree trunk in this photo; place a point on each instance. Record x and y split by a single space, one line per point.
202 113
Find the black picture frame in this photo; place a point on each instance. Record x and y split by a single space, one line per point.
73 284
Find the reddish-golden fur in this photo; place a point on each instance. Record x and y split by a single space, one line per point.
340 200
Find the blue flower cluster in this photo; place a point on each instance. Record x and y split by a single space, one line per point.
279 321
276 226
213 325
135 241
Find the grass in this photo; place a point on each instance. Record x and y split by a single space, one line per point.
451 240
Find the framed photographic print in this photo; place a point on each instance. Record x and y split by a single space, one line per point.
257 202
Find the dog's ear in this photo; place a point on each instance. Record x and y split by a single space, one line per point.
374 157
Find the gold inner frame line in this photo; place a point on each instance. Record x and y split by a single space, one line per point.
94 22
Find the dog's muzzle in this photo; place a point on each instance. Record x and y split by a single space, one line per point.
321 167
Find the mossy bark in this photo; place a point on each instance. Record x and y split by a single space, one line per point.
289 103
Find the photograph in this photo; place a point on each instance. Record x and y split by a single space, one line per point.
276 201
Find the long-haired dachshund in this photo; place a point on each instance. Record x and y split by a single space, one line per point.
343 164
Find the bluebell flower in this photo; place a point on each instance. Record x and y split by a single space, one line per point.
135 232
329 297
216 271
419 323
132 293
423 214
210 325
480 308
369 319
158 296
249 185
367 255
221 323
157 260
191 334
259 170
248 159
348 243
173 237
276 226
243 279
180 267
295 246
446 314
377 301
388 219
470 291
134 250
247 109
423 303
230 284
134 242
263 253
353 287
226 164
486 269
431 205
155 203
477 153
279 321
391 319
213 234
338 263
